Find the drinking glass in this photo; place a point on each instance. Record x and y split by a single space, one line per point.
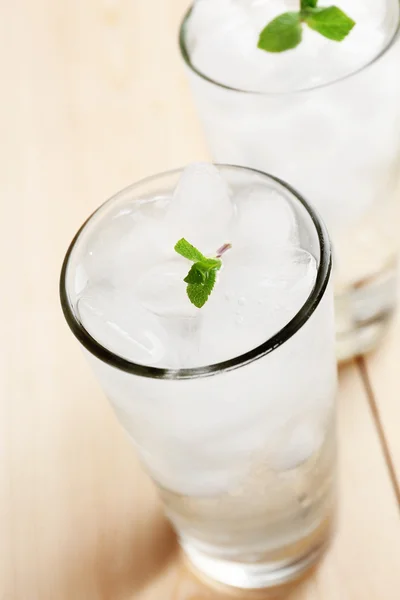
339 145
242 451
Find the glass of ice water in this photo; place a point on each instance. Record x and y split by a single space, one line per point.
231 407
324 116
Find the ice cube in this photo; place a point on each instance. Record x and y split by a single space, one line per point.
272 287
162 291
264 218
296 443
131 240
256 295
194 440
201 209
177 468
118 322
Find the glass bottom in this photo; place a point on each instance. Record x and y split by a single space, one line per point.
261 575
364 311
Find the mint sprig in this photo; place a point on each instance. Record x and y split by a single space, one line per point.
285 31
202 274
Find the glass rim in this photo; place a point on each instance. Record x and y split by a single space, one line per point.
186 57
270 344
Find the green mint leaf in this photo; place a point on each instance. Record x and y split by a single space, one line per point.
210 263
304 4
330 22
282 33
188 251
199 293
195 275
210 280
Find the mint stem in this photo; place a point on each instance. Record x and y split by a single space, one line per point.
223 249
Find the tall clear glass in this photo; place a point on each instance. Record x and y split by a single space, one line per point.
339 144
243 451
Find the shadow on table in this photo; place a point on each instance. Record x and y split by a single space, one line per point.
191 587
153 547
120 566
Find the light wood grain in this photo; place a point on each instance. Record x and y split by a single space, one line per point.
382 375
93 97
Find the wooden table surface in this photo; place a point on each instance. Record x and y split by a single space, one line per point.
93 97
